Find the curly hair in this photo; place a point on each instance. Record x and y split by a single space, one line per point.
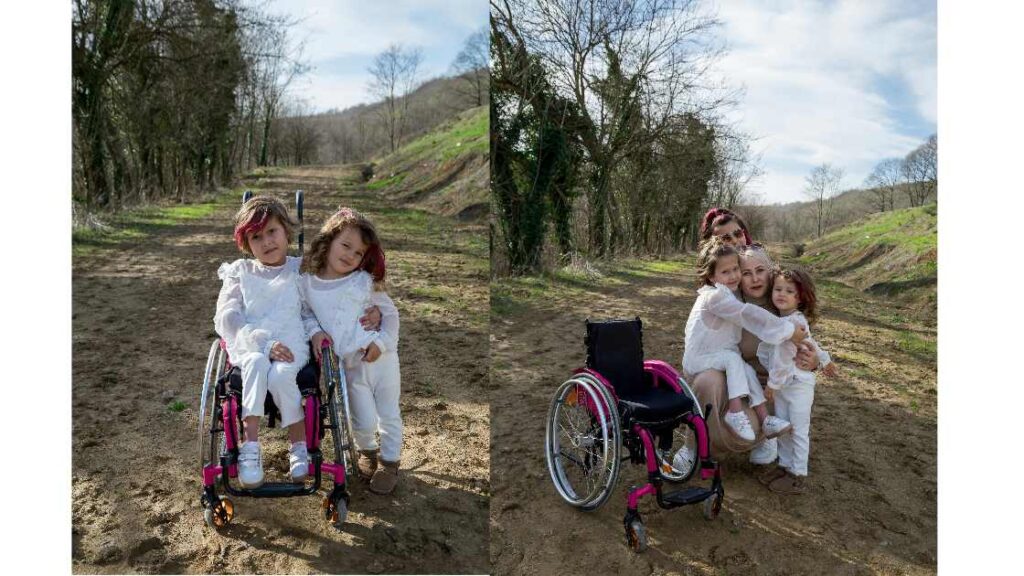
315 258
720 217
804 290
708 255
253 217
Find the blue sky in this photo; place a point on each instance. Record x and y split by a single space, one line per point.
342 37
845 82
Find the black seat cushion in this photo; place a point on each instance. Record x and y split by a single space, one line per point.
615 350
656 404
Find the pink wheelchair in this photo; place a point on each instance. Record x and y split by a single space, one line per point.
619 400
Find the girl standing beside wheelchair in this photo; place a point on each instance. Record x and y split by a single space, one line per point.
344 271
259 317
792 388
714 329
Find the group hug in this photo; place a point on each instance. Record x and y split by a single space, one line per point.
272 306
747 344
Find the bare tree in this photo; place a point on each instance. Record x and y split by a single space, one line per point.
920 168
395 74
821 186
472 65
884 181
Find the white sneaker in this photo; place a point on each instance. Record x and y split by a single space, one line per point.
766 452
774 426
298 461
683 460
740 424
250 465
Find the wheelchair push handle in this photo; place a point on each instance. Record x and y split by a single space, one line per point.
246 196
299 197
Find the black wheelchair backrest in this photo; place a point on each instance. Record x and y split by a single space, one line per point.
615 349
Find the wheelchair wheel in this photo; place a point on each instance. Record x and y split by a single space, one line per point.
220 514
339 416
210 443
636 536
336 510
713 505
583 443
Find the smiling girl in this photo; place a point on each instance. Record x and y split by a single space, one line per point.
713 332
259 317
344 272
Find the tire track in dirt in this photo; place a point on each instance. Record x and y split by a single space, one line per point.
142 325
870 507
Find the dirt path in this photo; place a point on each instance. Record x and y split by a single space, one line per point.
871 504
142 325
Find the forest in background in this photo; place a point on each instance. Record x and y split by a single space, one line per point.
172 99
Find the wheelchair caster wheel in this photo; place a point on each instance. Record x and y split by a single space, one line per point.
636 536
220 514
712 506
335 511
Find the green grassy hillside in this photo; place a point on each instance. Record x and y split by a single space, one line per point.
889 253
444 171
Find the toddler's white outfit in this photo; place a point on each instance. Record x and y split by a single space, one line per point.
373 387
794 395
712 337
259 305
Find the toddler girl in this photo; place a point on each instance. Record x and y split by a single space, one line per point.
713 333
259 317
344 272
792 388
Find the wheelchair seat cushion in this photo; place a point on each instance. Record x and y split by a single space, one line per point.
656 404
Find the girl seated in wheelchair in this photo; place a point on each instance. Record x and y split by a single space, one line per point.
713 332
792 388
259 317
344 270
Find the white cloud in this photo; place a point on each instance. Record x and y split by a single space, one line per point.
814 76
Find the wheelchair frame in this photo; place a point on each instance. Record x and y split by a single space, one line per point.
612 426
220 431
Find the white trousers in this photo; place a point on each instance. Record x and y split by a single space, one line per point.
373 391
260 375
740 377
793 402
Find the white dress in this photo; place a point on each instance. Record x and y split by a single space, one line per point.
374 387
794 396
259 305
712 337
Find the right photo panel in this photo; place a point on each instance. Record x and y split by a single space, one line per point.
713 287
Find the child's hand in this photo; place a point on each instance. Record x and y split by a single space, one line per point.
799 334
372 352
371 320
769 393
318 343
831 370
281 353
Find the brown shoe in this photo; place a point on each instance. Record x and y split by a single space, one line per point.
367 464
385 478
788 485
771 474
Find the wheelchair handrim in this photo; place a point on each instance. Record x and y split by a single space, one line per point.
607 421
214 364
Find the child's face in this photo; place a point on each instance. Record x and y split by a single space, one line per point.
727 271
785 295
269 245
754 273
346 252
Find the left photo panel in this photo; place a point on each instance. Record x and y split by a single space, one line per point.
280 302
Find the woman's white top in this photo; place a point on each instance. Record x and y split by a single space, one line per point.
717 321
780 359
336 306
259 305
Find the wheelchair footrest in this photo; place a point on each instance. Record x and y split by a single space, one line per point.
275 490
687 496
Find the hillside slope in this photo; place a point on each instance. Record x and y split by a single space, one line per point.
445 171
890 253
